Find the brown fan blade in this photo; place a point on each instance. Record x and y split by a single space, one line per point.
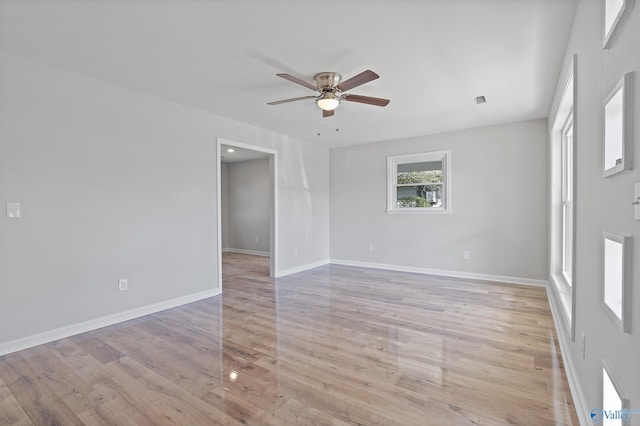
357 80
298 81
366 100
284 101
326 113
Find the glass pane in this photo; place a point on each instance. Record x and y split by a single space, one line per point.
567 162
613 132
425 172
611 11
613 267
567 242
419 196
611 401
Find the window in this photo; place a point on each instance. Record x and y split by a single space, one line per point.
419 183
618 117
615 407
563 212
567 199
614 14
617 276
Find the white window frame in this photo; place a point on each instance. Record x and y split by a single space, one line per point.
567 166
392 183
563 201
613 14
620 314
614 400
622 138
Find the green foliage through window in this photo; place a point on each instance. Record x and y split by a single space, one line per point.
431 176
413 202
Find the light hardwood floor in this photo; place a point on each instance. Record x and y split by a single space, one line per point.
332 346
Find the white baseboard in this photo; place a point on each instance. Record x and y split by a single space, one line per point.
442 272
301 268
242 251
94 324
579 400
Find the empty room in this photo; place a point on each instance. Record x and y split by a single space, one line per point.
357 212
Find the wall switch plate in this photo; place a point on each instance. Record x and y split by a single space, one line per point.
370 248
466 255
123 284
13 210
636 202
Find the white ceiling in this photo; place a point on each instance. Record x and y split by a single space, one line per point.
239 154
221 56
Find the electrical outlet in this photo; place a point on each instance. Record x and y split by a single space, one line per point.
13 210
370 248
582 345
295 251
257 239
123 284
466 255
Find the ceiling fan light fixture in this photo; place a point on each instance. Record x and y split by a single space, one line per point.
332 90
328 101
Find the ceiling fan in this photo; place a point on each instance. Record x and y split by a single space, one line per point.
332 91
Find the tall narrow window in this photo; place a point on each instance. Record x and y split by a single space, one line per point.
614 13
618 123
563 207
615 406
567 200
617 278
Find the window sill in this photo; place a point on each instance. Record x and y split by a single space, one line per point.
615 310
419 211
565 294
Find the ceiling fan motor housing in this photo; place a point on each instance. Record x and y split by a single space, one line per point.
327 80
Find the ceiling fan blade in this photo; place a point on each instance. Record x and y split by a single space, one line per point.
357 80
366 100
297 80
284 101
326 113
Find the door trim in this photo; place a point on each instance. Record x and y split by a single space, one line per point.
273 220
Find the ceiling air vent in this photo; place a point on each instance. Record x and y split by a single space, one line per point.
480 100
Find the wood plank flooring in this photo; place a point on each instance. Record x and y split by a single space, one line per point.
332 346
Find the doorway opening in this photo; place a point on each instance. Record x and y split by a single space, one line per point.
247 200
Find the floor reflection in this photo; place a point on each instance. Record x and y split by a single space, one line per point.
335 345
374 347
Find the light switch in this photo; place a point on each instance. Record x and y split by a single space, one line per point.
636 202
13 210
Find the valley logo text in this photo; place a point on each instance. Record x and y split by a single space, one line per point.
598 414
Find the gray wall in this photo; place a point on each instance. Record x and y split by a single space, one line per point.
498 198
602 205
224 204
248 205
118 184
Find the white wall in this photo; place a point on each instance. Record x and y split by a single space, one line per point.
248 205
499 204
118 184
602 205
